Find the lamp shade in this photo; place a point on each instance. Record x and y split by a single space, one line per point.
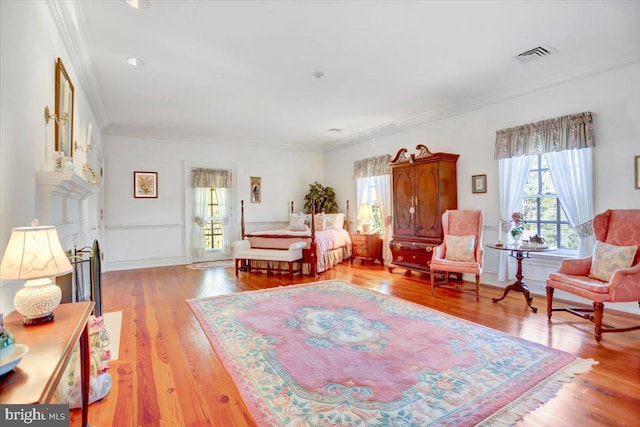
365 212
33 253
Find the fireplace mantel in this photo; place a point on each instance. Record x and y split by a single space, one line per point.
65 184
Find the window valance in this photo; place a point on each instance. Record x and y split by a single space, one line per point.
561 133
208 178
373 166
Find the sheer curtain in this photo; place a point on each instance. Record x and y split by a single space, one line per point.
572 176
376 171
567 143
512 173
383 194
203 180
200 203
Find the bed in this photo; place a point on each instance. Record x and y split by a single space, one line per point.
327 234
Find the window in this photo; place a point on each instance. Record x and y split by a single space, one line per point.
369 197
213 227
542 209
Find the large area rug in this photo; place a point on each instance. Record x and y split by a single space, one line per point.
335 354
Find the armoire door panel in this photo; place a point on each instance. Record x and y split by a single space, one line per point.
426 184
403 195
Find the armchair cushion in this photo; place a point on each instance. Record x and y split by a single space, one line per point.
609 258
460 248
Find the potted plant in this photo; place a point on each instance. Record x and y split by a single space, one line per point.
325 199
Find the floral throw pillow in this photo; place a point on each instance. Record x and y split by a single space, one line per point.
609 258
320 222
296 222
460 248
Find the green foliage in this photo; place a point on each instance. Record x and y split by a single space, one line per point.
325 198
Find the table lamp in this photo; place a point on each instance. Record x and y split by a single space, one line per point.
365 215
35 254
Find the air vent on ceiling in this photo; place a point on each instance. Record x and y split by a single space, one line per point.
535 53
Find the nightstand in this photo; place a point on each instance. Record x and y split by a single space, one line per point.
366 246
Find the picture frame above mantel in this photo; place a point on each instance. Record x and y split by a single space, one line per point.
64 110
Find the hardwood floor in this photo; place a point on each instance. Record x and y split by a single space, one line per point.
168 375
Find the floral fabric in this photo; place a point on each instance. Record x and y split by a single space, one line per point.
460 248
609 258
334 354
557 134
211 178
296 222
373 166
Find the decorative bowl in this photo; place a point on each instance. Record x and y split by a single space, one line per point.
11 356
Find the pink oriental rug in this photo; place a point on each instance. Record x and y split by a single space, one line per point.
335 354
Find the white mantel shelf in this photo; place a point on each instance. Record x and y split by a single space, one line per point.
65 184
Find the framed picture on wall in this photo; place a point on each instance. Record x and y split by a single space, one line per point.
256 189
479 183
145 185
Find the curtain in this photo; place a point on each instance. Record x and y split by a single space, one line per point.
572 175
211 178
376 170
224 204
200 203
373 166
512 175
574 131
383 194
203 180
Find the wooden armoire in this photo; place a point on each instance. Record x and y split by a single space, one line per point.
423 187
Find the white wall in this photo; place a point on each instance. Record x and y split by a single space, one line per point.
614 97
152 232
29 47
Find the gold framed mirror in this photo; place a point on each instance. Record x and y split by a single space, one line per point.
64 110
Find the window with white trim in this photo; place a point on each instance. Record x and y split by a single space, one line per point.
542 209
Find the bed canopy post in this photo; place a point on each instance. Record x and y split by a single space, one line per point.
292 206
312 247
347 221
242 218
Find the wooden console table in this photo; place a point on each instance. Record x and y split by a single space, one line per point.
51 345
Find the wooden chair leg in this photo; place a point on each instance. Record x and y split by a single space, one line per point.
477 287
236 263
598 312
549 302
433 286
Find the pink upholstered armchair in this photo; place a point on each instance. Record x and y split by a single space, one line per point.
584 277
461 250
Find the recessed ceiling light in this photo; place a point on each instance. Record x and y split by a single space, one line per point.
135 62
139 4
318 74
335 130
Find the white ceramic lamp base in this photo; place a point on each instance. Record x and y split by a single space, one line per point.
37 300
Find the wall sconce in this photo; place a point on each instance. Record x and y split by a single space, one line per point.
87 146
34 254
61 121
84 149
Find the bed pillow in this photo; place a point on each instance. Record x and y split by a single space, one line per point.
460 248
320 222
335 221
609 258
296 222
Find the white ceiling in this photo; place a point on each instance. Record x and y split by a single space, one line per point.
242 71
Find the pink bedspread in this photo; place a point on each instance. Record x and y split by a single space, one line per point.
326 240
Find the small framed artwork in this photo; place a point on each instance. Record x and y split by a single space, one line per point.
256 189
479 184
145 185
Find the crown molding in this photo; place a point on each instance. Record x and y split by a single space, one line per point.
488 99
72 29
